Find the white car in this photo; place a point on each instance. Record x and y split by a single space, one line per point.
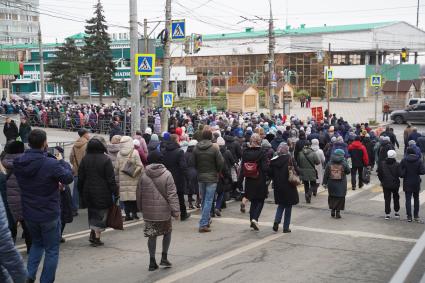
37 96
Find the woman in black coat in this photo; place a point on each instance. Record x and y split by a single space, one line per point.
97 185
225 183
285 193
255 188
192 187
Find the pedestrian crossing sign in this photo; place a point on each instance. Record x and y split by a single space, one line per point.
167 99
329 75
178 30
145 64
376 80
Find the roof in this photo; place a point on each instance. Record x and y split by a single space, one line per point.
403 86
238 88
250 33
78 36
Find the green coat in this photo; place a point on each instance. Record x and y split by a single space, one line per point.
208 161
307 158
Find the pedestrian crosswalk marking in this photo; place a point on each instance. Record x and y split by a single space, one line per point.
145 65
178 32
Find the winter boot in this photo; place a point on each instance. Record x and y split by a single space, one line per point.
152 264
164 261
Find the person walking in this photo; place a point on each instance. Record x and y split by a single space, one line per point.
421 144
158 201
225 183
97 185
254 170
192 176
412 168
77 153
285 193
359 160
320 167
127 183
154 143
307 161
39 177
12 268
24 130
14 150
174 161
336 181
10 130
208 162
389 174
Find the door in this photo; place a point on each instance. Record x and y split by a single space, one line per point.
417 114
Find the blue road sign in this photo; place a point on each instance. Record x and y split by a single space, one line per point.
167 99
178 29
329 75
376 80
145 64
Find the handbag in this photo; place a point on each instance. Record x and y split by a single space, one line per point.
114 219
130 167
293 177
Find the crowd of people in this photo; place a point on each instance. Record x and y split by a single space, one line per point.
201 161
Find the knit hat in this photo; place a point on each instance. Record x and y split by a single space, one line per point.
333 139
339 152
265 144
193 143
387 138
154 137
148 131
392 154
166 136
155 156
136 143
283 148
412 142
314 142
220 141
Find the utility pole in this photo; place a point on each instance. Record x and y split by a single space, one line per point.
135 90
417 25
166 66
145 97
376 88
329 89
272 76
40 50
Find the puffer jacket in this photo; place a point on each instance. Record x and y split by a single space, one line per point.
12 188
307 161
113 150
157 194
358 153
127 184
174 161
11 259
389 174
77 153
412 168
208 161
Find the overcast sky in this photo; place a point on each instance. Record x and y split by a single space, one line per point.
218 16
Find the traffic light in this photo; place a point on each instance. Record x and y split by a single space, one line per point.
187 42
147 88
197 43
404 55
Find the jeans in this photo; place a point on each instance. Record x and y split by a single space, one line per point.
279 211
75 195
207 192
255 209
385 117
387 197
45 239
354 172
415 204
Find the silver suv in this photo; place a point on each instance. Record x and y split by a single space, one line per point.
415 113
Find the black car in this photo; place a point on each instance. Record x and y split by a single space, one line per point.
414 113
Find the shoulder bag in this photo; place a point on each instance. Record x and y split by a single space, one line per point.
293 177
311 163
130 167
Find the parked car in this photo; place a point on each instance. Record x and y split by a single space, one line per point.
413 101
415 113
36 95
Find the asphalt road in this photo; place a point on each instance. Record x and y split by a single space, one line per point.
360 247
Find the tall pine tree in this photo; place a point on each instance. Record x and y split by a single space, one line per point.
97 52
65 69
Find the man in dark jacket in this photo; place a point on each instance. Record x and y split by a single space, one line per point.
174 161
414 135
277 140
389 174
389 132
383 149
11 263
411 168
233 146
208 162
24 130
369 144
10 130
359 159
39 177
421 144
115 130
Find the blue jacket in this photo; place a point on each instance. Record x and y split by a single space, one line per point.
414 136
412 168
38 176
12 265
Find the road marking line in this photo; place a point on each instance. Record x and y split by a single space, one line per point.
83 234
208 263
351 233
380 198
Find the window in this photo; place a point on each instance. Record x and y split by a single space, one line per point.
421 107
29 28
354 59
8 16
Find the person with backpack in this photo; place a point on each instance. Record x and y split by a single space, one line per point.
412 168
307 161
254 169
359 160
336 181
389 174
